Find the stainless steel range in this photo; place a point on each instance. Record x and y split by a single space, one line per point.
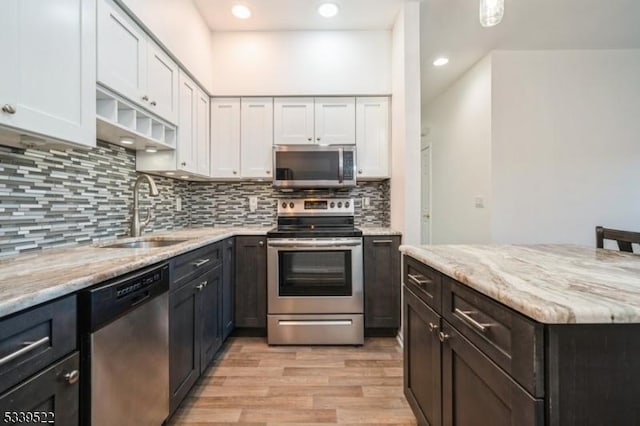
315 276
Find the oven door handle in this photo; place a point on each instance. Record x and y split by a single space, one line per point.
341 165
314 244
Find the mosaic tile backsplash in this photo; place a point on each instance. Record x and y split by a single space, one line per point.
61 198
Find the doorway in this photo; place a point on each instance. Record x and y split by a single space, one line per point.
425 196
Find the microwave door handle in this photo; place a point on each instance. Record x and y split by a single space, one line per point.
340 165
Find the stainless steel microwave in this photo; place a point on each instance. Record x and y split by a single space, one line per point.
314 166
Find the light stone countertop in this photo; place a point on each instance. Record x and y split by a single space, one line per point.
372 231
32 278
553 284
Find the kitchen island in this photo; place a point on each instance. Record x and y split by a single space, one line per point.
521 335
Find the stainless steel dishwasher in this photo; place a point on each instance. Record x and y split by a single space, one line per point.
125 350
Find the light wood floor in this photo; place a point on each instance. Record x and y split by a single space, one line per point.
254 384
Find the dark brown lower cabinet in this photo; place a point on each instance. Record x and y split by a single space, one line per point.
251 282
50 396
195 331
382 284
476 392
422 360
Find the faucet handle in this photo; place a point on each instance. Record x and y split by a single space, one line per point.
147 220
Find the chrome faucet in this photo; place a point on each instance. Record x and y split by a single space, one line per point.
136 225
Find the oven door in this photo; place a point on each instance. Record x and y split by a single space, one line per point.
312 276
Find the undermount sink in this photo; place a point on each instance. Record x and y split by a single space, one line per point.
143 244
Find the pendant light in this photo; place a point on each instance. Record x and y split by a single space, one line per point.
491 12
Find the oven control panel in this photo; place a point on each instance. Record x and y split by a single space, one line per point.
316 206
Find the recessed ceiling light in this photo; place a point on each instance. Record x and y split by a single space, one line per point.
184 177
328 10
151 149
241 11
440 62
170 173
126 140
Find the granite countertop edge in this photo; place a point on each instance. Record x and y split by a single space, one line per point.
549 283
23 286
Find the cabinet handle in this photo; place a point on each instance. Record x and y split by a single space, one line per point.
153 103
417 281
466 317
9 109
199 287
201 262
310 139
204 283
382 241
261 243
318 139
268 172
145 98
72 377
183 164
360 171
443 337
28 347
235 172
432 327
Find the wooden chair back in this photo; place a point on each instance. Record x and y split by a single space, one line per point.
623 238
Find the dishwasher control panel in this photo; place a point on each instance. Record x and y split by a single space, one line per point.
138 284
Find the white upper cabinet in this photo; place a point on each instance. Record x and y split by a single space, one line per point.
256 137
335 122
225 138
203 128
187 133
162 83
132 65
293 120
48 71
372 137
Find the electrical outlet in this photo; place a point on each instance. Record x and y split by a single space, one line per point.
178 203
366 203
253 204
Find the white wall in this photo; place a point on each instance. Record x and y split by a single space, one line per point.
301 63
181 28
566 144
405 118
459 124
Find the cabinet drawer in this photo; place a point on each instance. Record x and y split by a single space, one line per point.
194 263
32 340
52 395
424 281
509 339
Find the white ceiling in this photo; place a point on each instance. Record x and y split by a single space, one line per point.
279 15
451 28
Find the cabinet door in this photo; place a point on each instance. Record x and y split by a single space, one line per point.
184 342
47 82
225 138
476 392
372 137
210 315
422 360
122 53
251 282
162 84
186 148
203 146
256 137
335 122
382 282
52 395
293 121
228 278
